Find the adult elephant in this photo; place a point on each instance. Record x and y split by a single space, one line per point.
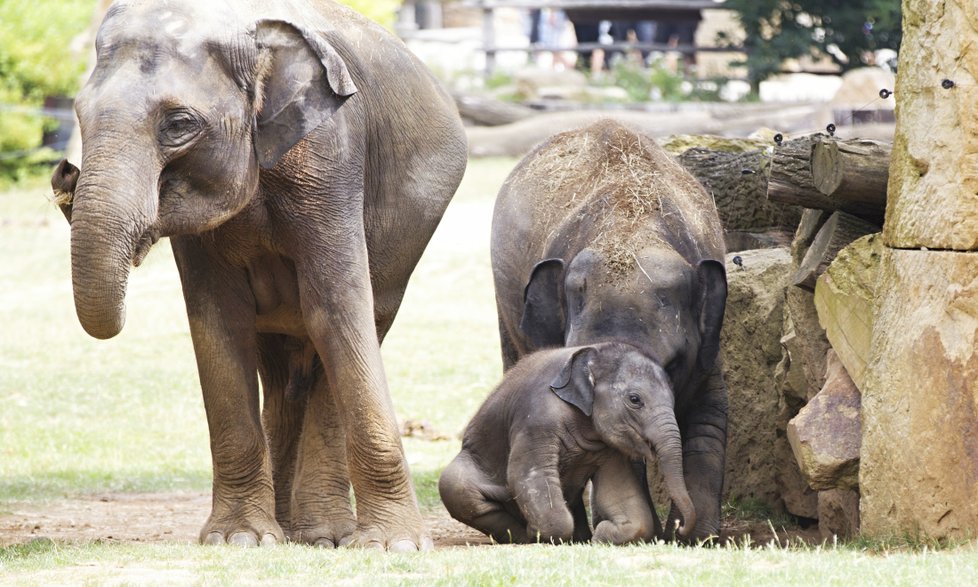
300 158
598 236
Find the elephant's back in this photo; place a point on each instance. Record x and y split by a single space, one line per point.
605 182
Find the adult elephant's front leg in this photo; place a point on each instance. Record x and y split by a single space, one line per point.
220 308
337 305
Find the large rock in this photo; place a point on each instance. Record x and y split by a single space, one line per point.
825 435
919 458
801 372
934 166
749 353
844 299
838 513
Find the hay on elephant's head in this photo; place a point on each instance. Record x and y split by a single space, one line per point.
622 178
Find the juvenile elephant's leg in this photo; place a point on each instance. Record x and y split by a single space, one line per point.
533 478
704 450
321 511
281 418
474 499
220 308
622 511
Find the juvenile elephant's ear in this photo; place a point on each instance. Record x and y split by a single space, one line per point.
712 293
302 81
543 312
575 383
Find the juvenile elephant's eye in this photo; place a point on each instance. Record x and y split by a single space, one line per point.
179 128
635 400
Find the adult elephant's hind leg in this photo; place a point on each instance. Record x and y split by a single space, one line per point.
221 308
321 511
285 396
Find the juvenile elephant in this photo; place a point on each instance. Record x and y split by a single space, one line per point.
560 418
599 236
300 158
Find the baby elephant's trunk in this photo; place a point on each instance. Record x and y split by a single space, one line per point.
669 450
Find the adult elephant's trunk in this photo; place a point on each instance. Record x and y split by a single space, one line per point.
668 447
114 203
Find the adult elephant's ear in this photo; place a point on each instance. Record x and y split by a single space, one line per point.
575 382
712 294
543 312
301 81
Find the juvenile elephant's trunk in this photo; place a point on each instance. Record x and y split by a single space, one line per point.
114 203
669 449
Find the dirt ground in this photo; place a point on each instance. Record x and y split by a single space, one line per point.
178 516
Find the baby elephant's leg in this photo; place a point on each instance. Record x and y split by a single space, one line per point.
474 499
620 504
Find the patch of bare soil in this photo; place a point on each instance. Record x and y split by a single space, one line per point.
178 516
152 518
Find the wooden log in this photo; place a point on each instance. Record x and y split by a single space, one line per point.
738 183
811 221
790 180
853 173
490 112
838 231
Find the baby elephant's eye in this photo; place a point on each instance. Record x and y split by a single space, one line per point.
635 400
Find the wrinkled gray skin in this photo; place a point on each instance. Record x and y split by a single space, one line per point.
562 417
276 143
555 284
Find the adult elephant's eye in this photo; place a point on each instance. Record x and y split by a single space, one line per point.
179 128
635 401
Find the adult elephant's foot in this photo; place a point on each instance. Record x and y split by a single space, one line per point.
393 537
326 528
254 528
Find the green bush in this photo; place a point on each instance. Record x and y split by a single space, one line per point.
380 10
35 62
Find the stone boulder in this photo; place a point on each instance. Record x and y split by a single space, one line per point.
919 460
845 300
825 435
749 353
838 513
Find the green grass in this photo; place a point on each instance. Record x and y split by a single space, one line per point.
80 416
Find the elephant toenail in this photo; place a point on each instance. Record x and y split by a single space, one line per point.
214 538
324 543
269 540
346 540
404 546
243 539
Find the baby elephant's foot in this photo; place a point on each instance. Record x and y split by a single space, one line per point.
254 530
608 532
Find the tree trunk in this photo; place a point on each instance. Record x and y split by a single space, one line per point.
489 112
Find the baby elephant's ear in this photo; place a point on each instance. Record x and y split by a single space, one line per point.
575 383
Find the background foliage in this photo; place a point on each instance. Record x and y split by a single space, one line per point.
35 61
846 30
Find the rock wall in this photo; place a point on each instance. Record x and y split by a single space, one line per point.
919 456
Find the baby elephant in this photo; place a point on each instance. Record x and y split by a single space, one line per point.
559 418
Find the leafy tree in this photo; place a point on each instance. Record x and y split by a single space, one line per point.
846 30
